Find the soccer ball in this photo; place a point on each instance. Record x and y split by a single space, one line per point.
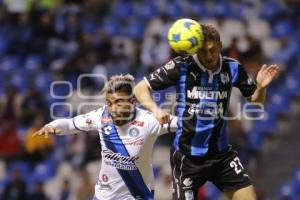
185 36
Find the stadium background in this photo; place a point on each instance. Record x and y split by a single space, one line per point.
54 41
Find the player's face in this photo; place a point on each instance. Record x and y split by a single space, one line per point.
209 54
121 107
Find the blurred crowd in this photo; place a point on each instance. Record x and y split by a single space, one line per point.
42 41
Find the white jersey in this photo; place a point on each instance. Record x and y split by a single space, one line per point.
126 169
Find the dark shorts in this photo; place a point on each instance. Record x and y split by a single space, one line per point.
189 173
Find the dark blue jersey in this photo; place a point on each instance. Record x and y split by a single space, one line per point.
202 100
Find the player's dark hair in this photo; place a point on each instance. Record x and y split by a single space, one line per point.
210 33
124 83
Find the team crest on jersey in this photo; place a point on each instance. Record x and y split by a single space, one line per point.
224 77
188 182
137 123
189 195
134 132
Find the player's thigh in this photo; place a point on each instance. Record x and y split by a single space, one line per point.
230 174
246 193
185 177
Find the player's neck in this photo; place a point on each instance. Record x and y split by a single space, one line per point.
210 68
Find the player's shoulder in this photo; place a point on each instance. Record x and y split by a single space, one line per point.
226 59
97 113
142 113
145 115
183 59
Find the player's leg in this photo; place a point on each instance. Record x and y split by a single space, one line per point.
246 193
186 181
232 178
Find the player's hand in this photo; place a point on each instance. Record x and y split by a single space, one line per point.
266 75
46 130
162 116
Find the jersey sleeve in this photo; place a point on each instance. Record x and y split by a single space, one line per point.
88 122
158 129
244 82
164 77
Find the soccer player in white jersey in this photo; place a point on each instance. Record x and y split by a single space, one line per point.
127 135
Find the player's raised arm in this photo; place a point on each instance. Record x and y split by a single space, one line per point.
160 79
143 95
80 123
264 77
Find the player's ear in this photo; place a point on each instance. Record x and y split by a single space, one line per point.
221 44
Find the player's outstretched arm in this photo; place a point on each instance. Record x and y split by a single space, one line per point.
46 130
143 95
58 127
264 77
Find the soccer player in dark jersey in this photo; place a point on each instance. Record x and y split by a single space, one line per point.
200 151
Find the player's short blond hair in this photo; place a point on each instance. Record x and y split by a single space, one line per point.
210 33
124 83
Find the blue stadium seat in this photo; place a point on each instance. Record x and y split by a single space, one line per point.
61 111
89 26
4 44
260 129
279 102
43 81
270 10
22 166
222 8
135 30
123 9
198 8
33 62
111 27
145 10
292 84
285 54
9 64
44 170
282 28
173 10
20 80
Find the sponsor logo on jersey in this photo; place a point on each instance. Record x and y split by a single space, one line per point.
189 195
133 142
119 161
137 123
196 93
134 132
106 119
187 182
224 77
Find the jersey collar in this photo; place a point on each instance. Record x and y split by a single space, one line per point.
204 69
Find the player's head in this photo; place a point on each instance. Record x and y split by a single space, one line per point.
210 51
120 99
